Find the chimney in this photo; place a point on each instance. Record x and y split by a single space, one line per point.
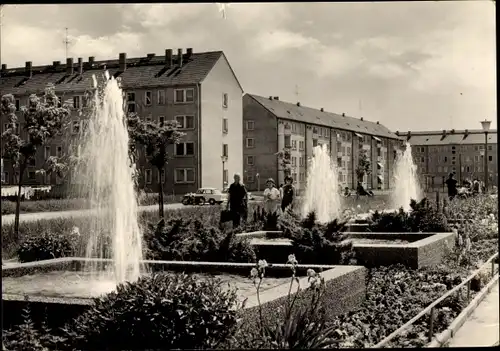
80 66
408 134
150 56
270 98
56 64
343 114
444 132
179 57
452 131
69 66
28 69
361 119
322 110
378 123
189 52
397 132
298 103
466 132
91 60
4 67
168 58
123 61
276 98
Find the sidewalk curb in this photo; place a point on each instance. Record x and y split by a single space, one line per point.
442 338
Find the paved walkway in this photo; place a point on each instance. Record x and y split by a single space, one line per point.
482 326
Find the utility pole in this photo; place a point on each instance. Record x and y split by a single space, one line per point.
297 92
66 42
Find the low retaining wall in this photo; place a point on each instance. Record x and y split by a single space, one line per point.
345 286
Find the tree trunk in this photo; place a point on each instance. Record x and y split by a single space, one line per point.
22 168
160 195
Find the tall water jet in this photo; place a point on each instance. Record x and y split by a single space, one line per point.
106 176
322 192
406 184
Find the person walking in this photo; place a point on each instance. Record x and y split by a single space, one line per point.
451 183
237 201
288 193
271 197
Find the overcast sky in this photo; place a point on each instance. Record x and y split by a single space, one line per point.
409 65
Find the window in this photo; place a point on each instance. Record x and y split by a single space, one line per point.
225 125
250 125
294 161
184 175
16 178
31 175
161 119
422 160
162 177
59 151
18 105
490 158
327 133
131 107
445 159
315 142
225 100
162 97
76 102
148 97
225 150
301 161
148 176
185 122
288 141
476 158
5 177
183 95
250 178
301 145
46 152
130 97
250 142
348 149
131 102
294 144
250 160
294 176
481 147
490 147
184 149
75 127
301 176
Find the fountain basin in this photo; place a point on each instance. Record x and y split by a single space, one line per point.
414 250
54 302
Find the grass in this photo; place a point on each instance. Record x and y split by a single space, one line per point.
9 207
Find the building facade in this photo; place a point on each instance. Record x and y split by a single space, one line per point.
439 153
270 125
198 90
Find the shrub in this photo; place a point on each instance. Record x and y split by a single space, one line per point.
422 217
315 243
45 246
163 311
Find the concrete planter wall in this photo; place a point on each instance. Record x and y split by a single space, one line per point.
345 288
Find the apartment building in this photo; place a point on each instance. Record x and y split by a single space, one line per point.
438 153
198 90
270 125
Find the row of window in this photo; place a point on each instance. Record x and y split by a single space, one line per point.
453 159
452 148
181 96
181 176
31 176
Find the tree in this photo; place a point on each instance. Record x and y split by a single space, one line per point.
285 160
155 138
44 119
364 165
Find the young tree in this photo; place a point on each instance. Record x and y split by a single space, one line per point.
364 166
155 138
44 119
285 160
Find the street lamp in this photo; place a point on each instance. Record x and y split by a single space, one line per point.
224 160
486 127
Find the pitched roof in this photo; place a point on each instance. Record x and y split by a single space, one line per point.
141 72
286 110
456 138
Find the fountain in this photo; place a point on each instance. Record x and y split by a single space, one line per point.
406 184
322 192
105 173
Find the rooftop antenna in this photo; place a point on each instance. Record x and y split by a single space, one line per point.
223 6
297 92
66 42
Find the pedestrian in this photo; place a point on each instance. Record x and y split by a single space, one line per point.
237 202
451 183
288 193
271 197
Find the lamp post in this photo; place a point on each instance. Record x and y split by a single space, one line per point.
486 127
224 160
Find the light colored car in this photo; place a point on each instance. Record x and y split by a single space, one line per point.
211 195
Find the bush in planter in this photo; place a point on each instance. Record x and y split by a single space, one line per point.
46 246
190 240
162 311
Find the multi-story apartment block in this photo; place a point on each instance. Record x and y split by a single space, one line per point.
270 125
198 90
439 153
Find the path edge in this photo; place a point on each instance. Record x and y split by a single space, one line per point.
443 337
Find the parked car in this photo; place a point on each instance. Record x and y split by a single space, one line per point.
203 195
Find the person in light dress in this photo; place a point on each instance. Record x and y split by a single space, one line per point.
272 197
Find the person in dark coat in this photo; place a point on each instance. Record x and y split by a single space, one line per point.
288 193
237 202
451 183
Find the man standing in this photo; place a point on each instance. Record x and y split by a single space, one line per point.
451 183
237 202
288 193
